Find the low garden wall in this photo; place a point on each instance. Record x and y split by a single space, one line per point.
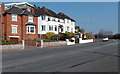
69 42
30 43
85 41
52 44
11 47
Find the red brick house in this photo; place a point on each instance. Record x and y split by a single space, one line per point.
18 24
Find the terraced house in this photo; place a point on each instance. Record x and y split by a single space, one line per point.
49 21
25 21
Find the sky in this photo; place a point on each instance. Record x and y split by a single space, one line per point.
91 16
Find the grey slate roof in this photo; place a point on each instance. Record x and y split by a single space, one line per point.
62 15
15 10
45 11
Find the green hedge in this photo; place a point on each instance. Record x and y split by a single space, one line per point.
7 43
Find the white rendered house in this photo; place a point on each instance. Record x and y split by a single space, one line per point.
49 21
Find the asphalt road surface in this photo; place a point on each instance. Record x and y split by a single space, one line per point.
90 57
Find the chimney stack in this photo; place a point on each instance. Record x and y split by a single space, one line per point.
2 8
32 10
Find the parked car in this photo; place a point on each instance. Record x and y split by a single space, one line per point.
105 39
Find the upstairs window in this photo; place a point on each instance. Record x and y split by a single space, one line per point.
43 27
14 29
30 18
30 29
43 17
14 17
48 18
53 19
58 20
67 21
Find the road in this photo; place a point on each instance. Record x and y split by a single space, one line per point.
90 57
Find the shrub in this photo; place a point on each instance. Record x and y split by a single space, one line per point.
37 39
49 40
64 36
55 37
71 34
49 34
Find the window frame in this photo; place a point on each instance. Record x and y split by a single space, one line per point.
51 27
55 28
16 29
30 18
43 17
13 17
28 29
43 28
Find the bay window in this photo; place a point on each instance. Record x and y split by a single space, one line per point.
30 29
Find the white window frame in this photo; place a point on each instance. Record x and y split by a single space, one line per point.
44 28
30 18
28 31
43 17
14 17
68 29
14 31
51 27
55 27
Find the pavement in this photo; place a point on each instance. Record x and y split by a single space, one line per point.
91 57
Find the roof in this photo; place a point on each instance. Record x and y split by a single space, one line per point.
30 23
45 11
15 10
62 15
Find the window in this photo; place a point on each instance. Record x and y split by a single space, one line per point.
67 21
14 17
14 29
53 19
68 29
50 27
48 18
31 29
55 27
43 27
71 29
43 17
58 20
30 18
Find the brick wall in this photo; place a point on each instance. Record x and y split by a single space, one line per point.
8 28
29 36
21 21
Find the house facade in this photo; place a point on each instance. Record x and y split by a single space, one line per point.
18 24
49 21
22 21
